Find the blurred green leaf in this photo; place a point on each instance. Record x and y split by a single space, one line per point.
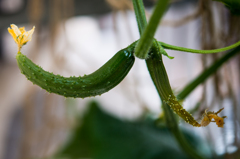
232 5
102 136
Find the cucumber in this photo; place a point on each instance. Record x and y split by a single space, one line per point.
97 83
160 79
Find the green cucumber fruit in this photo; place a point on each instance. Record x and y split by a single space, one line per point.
97 83
160 79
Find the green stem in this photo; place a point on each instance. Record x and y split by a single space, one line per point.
160 79
172 47
204 75
173 126
146 39
180 138
140 15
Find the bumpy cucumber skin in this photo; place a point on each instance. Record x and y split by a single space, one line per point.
160 79
97 83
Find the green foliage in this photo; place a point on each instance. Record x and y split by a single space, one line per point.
232 5
102 136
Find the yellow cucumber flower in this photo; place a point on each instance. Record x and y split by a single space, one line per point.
20 35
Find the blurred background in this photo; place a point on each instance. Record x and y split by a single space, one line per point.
76 37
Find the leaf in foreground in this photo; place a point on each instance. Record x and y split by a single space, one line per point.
102 136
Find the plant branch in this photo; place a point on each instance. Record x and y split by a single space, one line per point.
146 39
141 20
140 15
173 126
172 47
204 75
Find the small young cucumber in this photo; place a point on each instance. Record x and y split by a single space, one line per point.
97 83
161 82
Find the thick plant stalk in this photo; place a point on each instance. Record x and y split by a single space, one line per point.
178 135
140 15
172 124
147 33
